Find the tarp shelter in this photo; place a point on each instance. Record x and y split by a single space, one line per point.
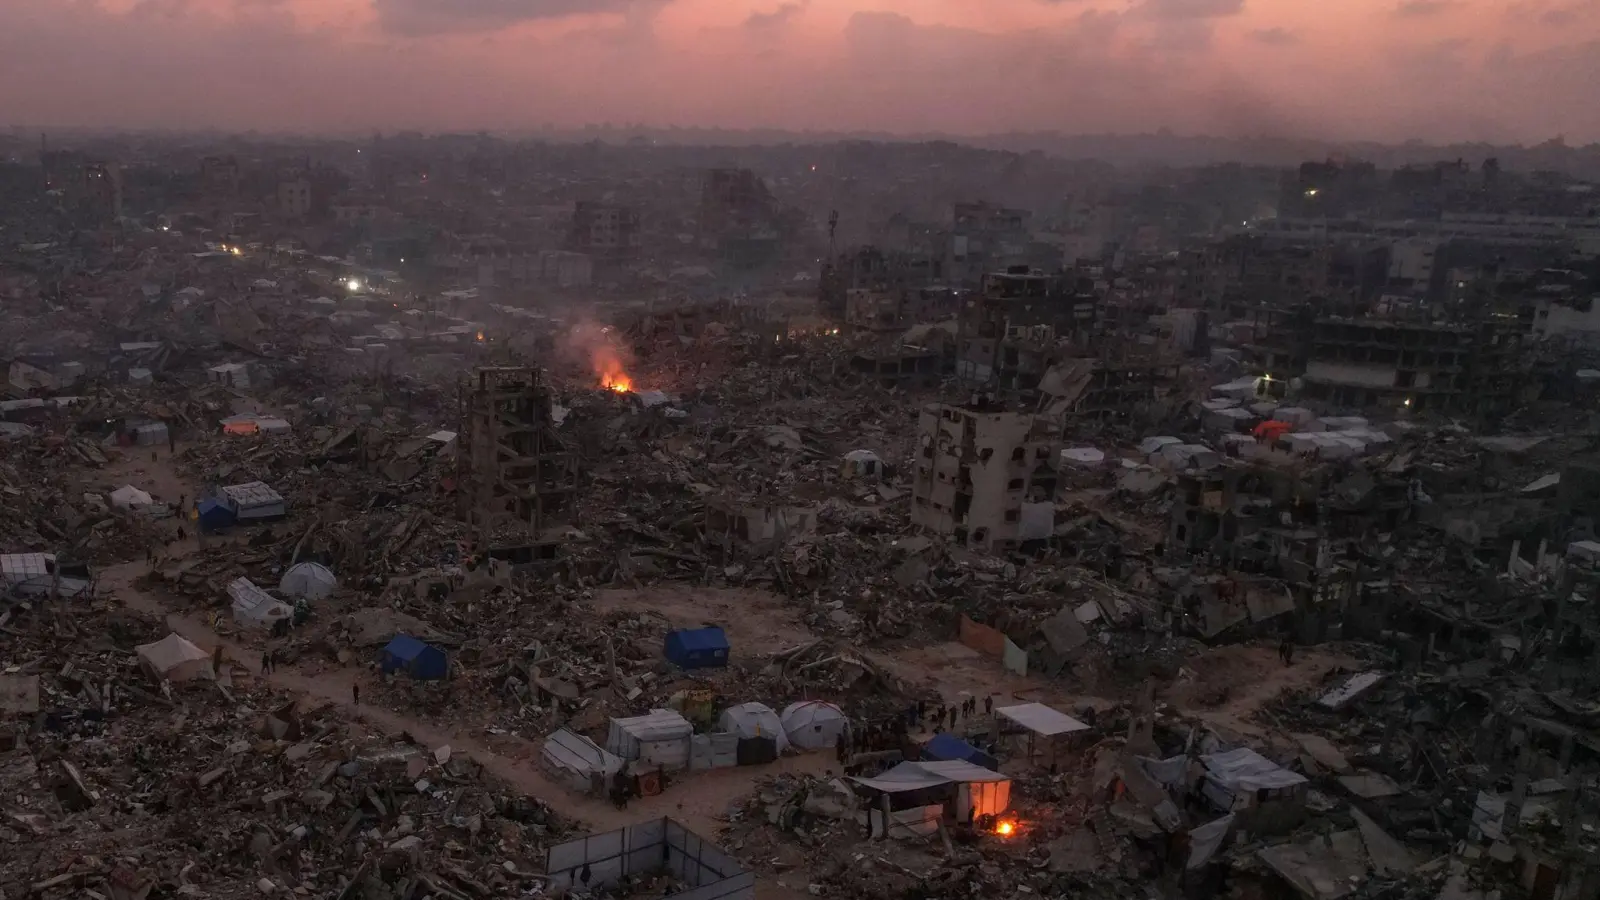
965 790
814 724
149 434
1083 457
946 746
660 737
253 606
41 575
1043 726
1272 429
697 648
130 497
312 581
214 515
1233 778
421 661
254 502
578 762
757 724
175 659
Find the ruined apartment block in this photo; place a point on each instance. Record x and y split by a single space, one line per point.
517 478
984 477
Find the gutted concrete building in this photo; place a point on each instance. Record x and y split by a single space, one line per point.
984 476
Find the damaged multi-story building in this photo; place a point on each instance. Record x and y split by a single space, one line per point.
984 476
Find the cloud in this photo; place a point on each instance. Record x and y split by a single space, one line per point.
783 15
1189 9
423 17
1418 9
1274 37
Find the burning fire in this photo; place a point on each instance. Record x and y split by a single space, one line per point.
616 381
1004 827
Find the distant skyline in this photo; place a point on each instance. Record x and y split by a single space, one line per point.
1381 70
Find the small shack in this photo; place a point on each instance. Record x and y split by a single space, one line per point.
661 737
1242 779
255 608
862 464
760 732
697 648
579 763
912 797
254 502
945 746
814 724
174 659
420 660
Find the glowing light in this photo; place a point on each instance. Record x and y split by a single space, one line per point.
234 250
1311 192
617 381
1408 401
480 336
1004 828
353 284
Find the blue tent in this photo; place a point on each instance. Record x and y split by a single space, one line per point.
213 515
421 661
697 648
946 746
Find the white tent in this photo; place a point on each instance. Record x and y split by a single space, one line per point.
310 580
130 497
175 659
253 606
814 724
754 720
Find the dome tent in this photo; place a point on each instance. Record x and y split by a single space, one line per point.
814 724
754 720
312 581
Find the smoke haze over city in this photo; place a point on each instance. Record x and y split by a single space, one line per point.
1437 70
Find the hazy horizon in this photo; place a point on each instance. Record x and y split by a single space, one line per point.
1441 71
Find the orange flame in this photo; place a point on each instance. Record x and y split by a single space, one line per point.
1004 828
617 381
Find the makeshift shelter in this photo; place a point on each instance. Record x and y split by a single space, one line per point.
814 724
308 580
254 502
946 746
913 796
213 515
150 434
174 659
130 497
697 648
578 763
861 464
421 661
255 608
42 575
661 737
1235 779
760 732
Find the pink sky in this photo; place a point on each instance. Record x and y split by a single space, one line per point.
1501 70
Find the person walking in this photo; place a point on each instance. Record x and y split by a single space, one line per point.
266 662
355 694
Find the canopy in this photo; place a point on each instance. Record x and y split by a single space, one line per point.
312 581
253 606
175 659
914 776
754 720
213 514
1041 719
567 751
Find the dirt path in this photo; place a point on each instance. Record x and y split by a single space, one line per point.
699 803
